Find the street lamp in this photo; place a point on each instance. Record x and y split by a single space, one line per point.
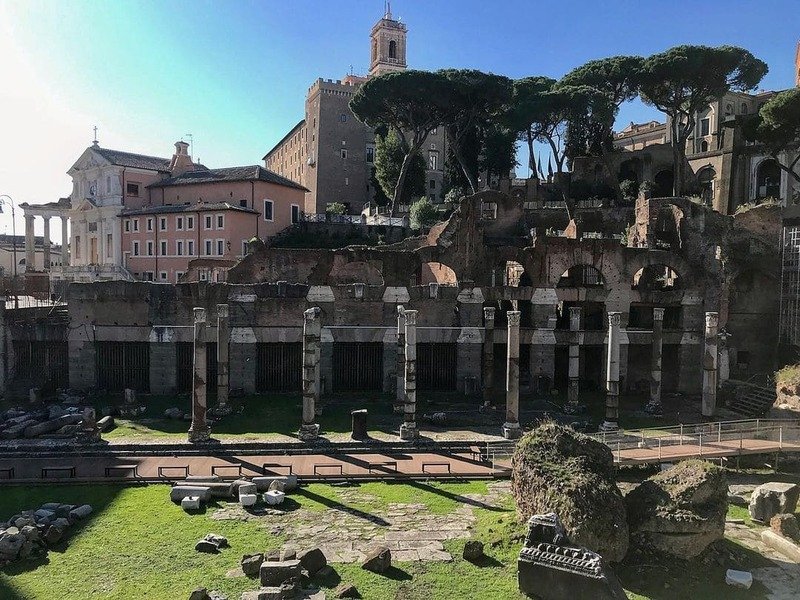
6 199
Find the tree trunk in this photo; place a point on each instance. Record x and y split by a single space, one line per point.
401 179
456 146
605 158
530 152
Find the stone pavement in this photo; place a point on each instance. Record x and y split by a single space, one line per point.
345 533
782 578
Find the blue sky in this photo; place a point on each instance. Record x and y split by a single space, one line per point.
234 74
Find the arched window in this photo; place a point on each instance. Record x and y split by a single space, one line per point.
581 276
656 277
704 146
768 179
705 179
392 49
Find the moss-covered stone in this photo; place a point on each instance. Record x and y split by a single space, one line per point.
555 469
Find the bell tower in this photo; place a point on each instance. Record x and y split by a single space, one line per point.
388 45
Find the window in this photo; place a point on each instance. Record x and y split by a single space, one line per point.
108 184
268 210
243 203
392 49
150 224
179 223
244 247
162 276
190 247
295 213
149 248
178 275
163 248
162 224
433 184
220 247
704 146
370 154
433 160
132 189
136 248
343 152
208 247
77 246
136 224
127 225
220 221
203 275
109 245
705 126
150 276
190 223
209 222
179 247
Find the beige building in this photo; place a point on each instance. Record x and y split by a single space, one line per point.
11 247
330 152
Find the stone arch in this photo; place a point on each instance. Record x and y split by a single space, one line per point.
656 277
392 49
630 169
581 275
663 184
768 179
344 273
436 272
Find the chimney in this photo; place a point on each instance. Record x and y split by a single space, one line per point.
181 161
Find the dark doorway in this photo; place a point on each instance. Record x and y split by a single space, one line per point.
279 367
357 367
123 365
437 367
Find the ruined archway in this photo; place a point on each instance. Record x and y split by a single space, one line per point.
581 276
436 272
656 277
663 184
768 179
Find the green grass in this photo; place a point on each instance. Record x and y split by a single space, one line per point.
740 512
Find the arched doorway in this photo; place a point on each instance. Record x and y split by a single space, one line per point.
768 179
656 277
663 184
705 181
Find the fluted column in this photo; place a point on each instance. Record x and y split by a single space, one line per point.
408 430
400 361
312 332
511 428
654 406
30 244
709 404
64 241
488 353
573 391
199 430
612 372
223 367
46 263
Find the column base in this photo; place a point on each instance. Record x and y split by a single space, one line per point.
512 431
309 432
609 426
199 435
409 432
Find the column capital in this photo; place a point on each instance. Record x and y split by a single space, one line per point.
401 310
311 314
513 318
411 317
574 311
29 218
488 313
658 313
614 319
199 315
712 318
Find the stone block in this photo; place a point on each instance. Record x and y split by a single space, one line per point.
785 525
346 590
289 481
276 573
274 497
206 546
378 560
251 564
190 503
81 512
313 560
277 486
740 579
220 540
179 492
473 550
248 499
773 498
247 488
781 544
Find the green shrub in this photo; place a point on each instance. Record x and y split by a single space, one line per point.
423 214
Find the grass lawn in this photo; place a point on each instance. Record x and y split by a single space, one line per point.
137 544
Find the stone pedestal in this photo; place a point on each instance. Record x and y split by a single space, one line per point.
710 357
312 331
199 431
223 364
488 353
400 361
612 373
408 430
511 428
654 405
573 391
359 424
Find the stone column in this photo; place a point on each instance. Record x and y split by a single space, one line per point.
573 391
46 263
3 360
223 349
612 373
64 242
709 404
724 356
488 353
511 428
199 431
116 241
312 332
400 364
408 430
654 406
30 244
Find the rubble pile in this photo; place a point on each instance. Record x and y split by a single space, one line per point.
31 532
67 418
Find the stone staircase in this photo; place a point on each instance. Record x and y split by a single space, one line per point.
749 399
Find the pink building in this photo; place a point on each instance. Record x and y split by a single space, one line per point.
201 213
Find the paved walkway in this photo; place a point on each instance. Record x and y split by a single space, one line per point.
394 465
655 453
